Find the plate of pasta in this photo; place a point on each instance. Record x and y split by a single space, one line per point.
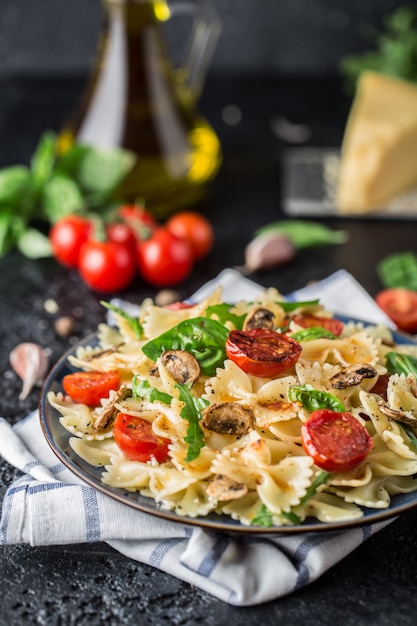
260 416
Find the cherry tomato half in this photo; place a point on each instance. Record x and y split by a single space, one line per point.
337 442
136 439
67 236
106 266
400 305
307 320
262 352
90 387
196 229
164 259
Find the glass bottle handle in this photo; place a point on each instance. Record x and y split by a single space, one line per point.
205 32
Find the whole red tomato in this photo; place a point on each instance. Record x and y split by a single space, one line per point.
67 236
196 229
106 266
164 259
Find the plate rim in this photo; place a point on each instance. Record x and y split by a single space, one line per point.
212 522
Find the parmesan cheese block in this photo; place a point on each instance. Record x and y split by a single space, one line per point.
379 151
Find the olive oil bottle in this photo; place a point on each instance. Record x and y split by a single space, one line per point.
139 100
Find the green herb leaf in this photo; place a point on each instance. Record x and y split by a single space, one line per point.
61 196
263 517
401 364
43 159
223 313
15 182
204 338
103 170
313 332
143 389
134 322
305 234
293 306
192 412
34 244
399 270
312 399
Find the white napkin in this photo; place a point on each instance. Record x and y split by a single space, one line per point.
48 504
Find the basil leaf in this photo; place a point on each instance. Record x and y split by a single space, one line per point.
61 196
292 306
192 412
313 399
43 159
399 270
222 311
313 332
103 170
134 322
143 389
7 239
203 337
15 182
34 244
305 234
401 364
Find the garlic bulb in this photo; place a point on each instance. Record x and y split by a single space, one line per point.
30 363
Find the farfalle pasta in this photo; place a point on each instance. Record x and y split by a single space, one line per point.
235 442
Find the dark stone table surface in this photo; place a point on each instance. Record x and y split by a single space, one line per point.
92 584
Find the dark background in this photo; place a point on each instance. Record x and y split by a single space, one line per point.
291 37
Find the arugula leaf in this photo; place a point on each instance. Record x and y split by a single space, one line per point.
401 364
134 322
312 399
263 517
143 389
192 412
222 311
204 338
313 332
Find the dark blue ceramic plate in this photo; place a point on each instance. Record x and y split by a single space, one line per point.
58 439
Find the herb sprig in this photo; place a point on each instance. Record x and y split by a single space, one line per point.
84 179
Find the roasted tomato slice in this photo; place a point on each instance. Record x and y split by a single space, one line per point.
337 442
307 320
90 387
136 439
262 352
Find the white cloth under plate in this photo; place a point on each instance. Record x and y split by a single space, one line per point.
49 505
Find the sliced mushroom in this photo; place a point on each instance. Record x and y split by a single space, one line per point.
183 366
228 418
352 375
260 318
224 488
398 415
109 412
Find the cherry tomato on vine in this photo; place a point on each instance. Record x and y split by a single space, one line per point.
400 305
90 387
67 236
106 266
137 218
308 320
136 439
196 229
164 259
262 352
337 442
122 233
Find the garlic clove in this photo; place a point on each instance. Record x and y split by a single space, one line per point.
30 363
267 251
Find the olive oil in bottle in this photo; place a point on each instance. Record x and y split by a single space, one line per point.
138 100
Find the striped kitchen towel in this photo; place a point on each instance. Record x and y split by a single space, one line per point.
48 504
